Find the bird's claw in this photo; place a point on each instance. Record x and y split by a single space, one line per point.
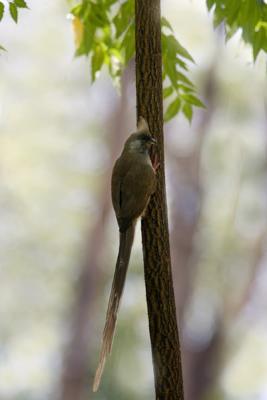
155 162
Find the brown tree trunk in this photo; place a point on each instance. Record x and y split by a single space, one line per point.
155 236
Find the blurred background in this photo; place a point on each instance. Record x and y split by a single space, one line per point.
59 137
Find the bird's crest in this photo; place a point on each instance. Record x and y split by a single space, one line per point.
142 125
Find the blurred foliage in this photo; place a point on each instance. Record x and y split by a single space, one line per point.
104 30
248 15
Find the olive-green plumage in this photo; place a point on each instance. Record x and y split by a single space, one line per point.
133 182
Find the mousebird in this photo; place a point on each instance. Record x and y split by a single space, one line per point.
132 183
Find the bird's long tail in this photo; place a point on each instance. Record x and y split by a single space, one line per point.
126 241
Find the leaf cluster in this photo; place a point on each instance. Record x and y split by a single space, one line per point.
104 31
13 8
248 15
178 88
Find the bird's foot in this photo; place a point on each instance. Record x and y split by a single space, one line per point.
155 162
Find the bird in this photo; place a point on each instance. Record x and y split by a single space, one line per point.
133 182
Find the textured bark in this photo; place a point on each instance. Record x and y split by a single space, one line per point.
157 262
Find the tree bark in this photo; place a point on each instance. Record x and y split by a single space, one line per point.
155 236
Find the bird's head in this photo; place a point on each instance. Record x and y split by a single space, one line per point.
141 141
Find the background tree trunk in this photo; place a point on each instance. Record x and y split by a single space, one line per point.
157 262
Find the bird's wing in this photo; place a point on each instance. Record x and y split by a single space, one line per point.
116 181
133 182
135 190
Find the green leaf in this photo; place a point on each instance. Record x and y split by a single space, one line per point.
261 24
188 112
79 10
116 53
247 16
183 78
2 8
124 17
21 3
176 47
181 63
186 89
232 12
97 61
190 98
167 92
183 52
128 44
87 42
165 22
172 109
2 48
170 70
218 19
230 31
210 4
13 11
98 15
110 2
260 38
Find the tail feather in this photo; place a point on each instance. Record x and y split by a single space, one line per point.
126 241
